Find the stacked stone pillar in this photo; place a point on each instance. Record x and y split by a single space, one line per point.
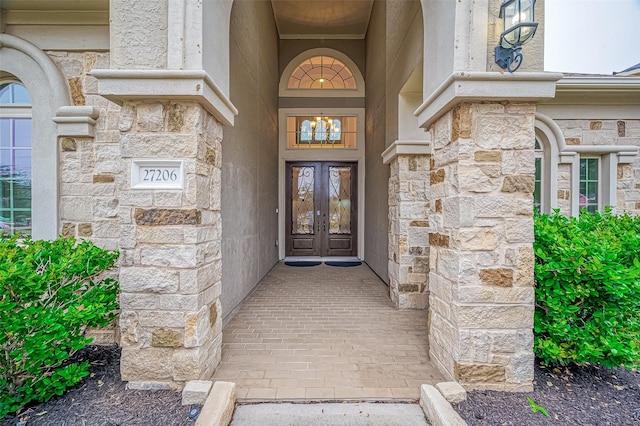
170 274
408 230
481 262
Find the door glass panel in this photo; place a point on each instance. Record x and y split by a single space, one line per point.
302 205
339 200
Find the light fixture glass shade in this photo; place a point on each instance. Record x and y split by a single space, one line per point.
519 22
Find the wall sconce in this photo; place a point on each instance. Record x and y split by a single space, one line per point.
519 27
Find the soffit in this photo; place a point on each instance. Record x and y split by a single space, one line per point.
313 19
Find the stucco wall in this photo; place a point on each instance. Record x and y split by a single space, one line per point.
377 174
396 25
250 154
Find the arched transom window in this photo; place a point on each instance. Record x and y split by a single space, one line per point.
322 72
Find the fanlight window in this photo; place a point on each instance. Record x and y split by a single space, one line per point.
322 72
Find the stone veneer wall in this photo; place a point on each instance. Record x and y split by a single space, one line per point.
409 231
481 264
90 167
170 273
603 132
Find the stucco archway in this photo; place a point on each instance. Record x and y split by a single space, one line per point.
48 90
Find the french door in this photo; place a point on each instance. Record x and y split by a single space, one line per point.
321 209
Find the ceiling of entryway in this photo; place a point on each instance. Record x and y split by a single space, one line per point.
322 18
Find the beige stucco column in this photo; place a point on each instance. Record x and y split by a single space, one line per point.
408 223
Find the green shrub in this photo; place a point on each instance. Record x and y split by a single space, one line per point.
50 291
587 276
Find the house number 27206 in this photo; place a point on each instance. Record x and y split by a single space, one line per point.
159 175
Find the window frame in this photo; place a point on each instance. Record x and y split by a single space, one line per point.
599 193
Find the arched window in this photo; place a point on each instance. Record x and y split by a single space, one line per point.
322 72
15 159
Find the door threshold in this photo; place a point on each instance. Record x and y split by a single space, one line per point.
322 259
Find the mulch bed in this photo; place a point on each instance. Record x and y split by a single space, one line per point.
588 395
102 400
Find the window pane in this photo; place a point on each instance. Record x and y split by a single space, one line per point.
589 184
22 129
537 190
5 132
14 93
340 200
302 202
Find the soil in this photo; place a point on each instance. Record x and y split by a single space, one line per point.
588 395
102 399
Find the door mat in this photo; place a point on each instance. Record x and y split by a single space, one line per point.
343 264
302 263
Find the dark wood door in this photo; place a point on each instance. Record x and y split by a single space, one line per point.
321 214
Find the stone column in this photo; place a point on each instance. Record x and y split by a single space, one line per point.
408 224
170 274
481 264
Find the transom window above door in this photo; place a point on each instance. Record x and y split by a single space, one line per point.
321 132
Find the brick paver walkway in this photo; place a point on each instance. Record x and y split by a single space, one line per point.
325 333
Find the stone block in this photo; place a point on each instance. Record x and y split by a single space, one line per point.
504 132
68 229
197 325
518 183
437 176
106 208
168 198
492 156
494 316
452 392
437 409
195 392
159 234
150 117
166 338
172 256
219 406
145 364
156 217
501 277
438 240
155 280
103 178
168 319
85 230
76 209
477 239
479 373
188 364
